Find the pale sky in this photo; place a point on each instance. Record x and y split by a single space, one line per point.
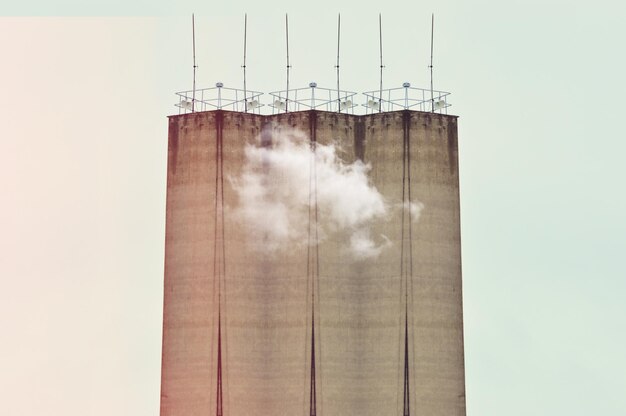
539 89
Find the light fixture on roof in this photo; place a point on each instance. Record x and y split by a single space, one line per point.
219 84
374 105
186 104
406 84
440 104
253 104
312 84
280 104
346 104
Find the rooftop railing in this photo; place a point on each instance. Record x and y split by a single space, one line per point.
219 98
406 98
314 98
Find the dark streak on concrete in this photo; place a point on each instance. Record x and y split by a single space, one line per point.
362 123
219 123
453 146
172 144
359 139
406 131
313 126
266 133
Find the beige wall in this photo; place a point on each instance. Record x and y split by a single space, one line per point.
266 318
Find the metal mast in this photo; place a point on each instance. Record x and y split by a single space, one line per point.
193 40
337 66
245 37
288 66
380 32
432 33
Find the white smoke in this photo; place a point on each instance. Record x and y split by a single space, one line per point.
414 208
273 192
362 246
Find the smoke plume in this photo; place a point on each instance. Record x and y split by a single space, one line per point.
274 198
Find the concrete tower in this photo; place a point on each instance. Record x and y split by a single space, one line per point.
307 329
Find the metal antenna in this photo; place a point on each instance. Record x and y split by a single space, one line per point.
288 66
193 38
432 32
337 66
380 29
245 36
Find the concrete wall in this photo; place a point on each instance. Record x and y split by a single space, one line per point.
359 316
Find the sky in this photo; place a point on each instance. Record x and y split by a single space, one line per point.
85 91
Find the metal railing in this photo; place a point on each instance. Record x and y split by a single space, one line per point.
406 98
219 98
314 98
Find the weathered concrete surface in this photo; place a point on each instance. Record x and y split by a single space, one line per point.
266 316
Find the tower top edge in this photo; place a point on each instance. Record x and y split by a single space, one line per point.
283 115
